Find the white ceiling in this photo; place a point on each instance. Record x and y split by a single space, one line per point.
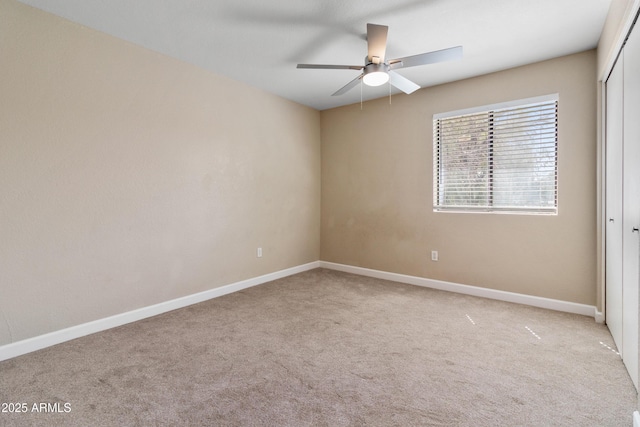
260 42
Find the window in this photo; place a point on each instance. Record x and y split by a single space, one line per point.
497 158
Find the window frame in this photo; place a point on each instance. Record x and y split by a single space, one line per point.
489 111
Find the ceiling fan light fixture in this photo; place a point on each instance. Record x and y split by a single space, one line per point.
375 75
376 78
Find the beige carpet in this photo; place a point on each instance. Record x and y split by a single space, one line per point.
324 348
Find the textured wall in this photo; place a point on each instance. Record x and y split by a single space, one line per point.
377 189
129 178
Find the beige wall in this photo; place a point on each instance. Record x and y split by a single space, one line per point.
377 189
129 178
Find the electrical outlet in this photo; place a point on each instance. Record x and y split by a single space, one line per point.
434 255
259 252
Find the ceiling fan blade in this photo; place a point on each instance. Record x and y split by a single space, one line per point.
346 88
330 67
376 41
427 58
402 83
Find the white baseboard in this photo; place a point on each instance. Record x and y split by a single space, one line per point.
636 419
29 345
600 318
551 304
19 348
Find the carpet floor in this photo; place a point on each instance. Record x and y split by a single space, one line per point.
325 348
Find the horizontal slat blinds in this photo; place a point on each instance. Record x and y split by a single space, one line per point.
502 159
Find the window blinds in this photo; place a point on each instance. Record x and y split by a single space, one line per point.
501 159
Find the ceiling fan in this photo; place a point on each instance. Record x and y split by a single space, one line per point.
376 71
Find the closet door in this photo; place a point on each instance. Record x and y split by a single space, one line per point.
631 205
613 237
